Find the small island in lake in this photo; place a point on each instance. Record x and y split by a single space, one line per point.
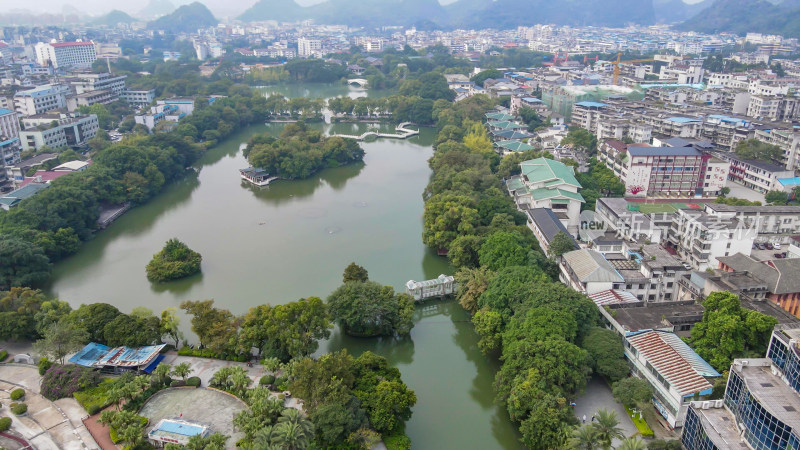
298 153
176 260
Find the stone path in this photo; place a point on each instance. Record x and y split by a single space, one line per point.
598 396
47 425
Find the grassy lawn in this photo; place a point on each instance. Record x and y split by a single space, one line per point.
94 399
641 425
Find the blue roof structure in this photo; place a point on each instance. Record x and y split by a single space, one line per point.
184 429
789 181
98 355
4 111
9 141
90 354
726 118
591 104
531 100
682 120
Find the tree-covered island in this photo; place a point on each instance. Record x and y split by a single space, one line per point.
176 260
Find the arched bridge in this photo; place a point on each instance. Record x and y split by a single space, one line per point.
360 82
402 133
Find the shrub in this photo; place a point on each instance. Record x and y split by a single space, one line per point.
63 381
397 442
3 355
19 409
93 409
5 423
17 394
281 383
114 436
44 364
95 398
177 383
266 379
193 381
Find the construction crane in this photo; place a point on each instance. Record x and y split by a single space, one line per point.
618 62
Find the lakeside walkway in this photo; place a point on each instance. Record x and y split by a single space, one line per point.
403 132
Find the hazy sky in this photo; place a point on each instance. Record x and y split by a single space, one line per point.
220 8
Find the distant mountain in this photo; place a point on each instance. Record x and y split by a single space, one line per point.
675 11
367 13
186 19
504 14
742 16
280 10
463 13
113 18
156 8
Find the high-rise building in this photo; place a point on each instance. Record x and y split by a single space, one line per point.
308 47
761 405
66 54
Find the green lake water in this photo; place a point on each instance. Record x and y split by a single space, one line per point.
292 240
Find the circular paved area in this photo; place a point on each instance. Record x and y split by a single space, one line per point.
205 406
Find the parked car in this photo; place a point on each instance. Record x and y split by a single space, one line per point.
686 266
779 255
761 246
769 246
776 245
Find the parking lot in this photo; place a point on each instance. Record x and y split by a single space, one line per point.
767 254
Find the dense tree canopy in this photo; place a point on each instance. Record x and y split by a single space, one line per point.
729 331
366 308
758 150
300 152
21 263
176 260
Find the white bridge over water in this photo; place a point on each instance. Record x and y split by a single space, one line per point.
441 286
360 82
402 133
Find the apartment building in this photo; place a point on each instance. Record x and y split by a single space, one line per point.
41 99
760 404
787 139
103 97
699 238
779 278
681 171
66 54
772 223
139 98
88 82
308 47
775 108
69 132
9 124
756 175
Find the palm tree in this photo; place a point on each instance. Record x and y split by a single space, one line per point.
239 382
632 443
584 438
161 372
265 438
605 425
182 370
293 431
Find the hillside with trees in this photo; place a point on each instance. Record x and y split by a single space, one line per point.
743 16
185 19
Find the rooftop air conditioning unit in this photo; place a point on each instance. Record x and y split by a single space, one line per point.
706 405
718 403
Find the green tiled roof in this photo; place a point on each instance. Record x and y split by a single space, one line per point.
505 125
515 183
514 146
543 194
542 170
499 116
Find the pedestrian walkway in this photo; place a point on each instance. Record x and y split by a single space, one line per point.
598 396
47 425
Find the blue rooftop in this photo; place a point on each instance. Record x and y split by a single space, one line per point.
10 141
591 104
184 429
90 354
531 100
682 120
4 111
789 181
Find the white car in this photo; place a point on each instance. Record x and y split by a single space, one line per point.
687 266
776 245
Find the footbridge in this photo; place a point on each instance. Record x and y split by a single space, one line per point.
360 82
403 132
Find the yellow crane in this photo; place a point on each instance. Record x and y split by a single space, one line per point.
618 62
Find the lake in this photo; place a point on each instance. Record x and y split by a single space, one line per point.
292 240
